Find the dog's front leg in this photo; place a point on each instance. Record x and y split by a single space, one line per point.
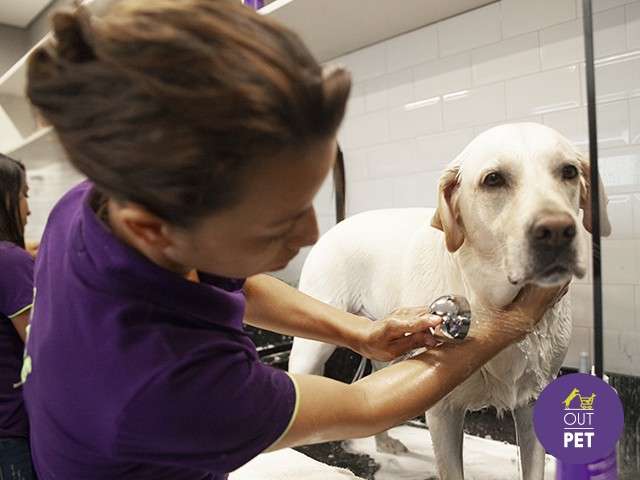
532 453
309 356
446 423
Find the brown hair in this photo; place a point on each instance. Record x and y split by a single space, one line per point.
12 181
165 103
340 186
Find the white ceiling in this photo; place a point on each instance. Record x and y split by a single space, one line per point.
20 13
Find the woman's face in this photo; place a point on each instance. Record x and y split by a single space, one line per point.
270 223
24 204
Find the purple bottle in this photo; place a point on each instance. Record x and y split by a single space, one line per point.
255 4
603 469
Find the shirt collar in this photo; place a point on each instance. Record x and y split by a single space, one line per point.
122 269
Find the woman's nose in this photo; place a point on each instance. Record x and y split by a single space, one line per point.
305 232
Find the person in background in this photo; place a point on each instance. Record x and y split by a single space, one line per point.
16 297
205 131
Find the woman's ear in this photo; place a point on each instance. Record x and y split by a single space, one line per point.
143 228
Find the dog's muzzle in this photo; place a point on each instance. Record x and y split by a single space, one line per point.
551 241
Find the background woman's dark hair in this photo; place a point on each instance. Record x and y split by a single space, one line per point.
340 186
166 103
12 181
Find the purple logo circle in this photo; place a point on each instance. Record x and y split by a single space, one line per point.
578 418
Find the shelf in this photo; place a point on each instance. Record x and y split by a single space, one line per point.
30 139
332 28
41 148
14 80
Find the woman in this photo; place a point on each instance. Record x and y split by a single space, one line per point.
205 131
16 296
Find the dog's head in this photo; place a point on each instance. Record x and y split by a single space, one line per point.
513 197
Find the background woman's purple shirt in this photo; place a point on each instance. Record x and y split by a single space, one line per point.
16 296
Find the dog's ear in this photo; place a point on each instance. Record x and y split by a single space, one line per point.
585 199
447 215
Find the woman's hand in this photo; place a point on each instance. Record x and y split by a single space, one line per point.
32 248
405 329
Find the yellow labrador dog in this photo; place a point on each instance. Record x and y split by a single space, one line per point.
507 215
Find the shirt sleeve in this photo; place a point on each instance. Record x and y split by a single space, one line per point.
16 281
215 413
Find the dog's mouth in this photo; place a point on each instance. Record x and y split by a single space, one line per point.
556 273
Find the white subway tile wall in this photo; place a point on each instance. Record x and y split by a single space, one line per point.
469 30
543 92
420 98
634 121
600 5
612 32
561 44
415 119
47 184
448 74
617 77
521 16
613 124
507 59
412 48
477 105
633 25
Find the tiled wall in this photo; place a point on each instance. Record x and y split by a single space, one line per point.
47 183
420 98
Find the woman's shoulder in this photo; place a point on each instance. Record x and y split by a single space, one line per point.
13 255
16 275
63 212
71 200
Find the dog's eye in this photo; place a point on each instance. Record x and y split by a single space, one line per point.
494 179
569 172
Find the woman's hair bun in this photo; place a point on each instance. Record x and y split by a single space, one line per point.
71 30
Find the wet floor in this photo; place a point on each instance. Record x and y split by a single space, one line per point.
364 461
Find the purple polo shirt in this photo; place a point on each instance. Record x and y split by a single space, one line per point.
138 373
16 295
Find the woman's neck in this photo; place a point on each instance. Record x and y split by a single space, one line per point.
109 216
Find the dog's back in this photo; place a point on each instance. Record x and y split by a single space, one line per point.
361 262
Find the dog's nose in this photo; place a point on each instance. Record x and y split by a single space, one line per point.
553 230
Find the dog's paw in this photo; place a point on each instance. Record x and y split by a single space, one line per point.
387 444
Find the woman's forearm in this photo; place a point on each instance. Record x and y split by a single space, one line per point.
274 305
406 389
392 395
413 386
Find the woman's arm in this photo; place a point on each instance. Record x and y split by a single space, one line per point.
330 410
274 305
20 323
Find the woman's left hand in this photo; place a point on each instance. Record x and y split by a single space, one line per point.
405 329
32 248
